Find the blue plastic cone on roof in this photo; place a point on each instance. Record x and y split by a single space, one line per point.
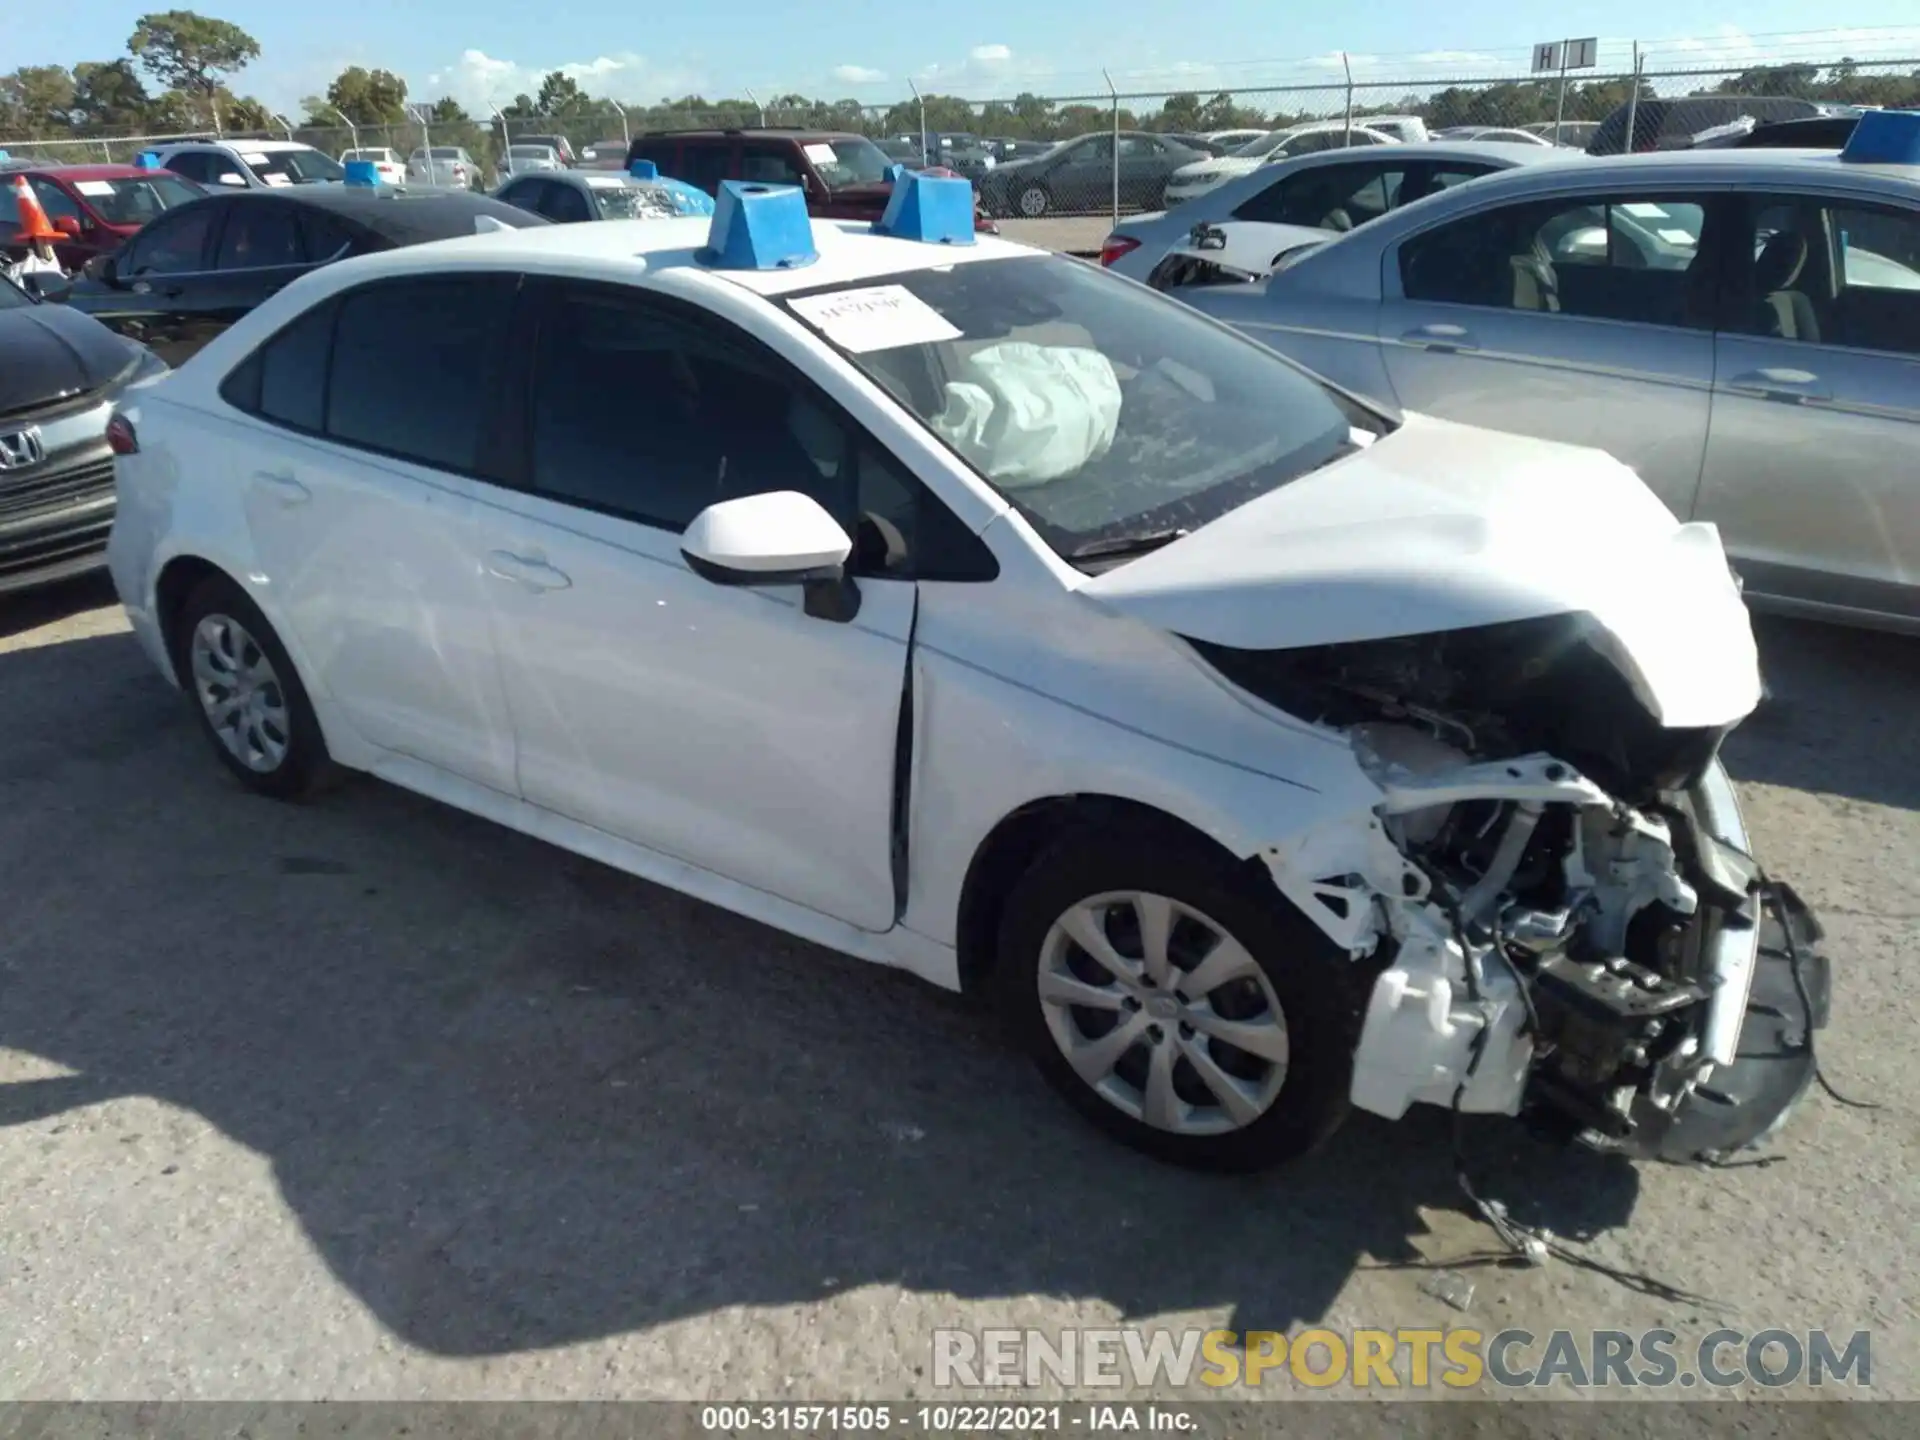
1884 137
936 209
760 227
644 170
362 172
147 160
687 199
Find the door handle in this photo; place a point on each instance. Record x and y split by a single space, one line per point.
535 575
1445 338
283 487
1777 382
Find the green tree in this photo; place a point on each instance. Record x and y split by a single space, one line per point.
448 111
1179 112
369 97
191 53
107 95
36 100
560 94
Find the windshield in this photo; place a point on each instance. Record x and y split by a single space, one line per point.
531 152
446 152
848 161
1104 413
639 200
293 167
134 202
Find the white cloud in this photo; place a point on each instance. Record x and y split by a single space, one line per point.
858 75
478 79
990 54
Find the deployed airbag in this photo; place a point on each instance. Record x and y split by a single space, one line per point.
1026 414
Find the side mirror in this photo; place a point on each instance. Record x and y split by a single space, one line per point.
779 538
50 288
68 225
102 268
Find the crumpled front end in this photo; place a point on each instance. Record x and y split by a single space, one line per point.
1554 895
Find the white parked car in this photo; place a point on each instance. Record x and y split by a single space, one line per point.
1407 129
529 160
973 611
386 163
1277 209
1233 139
448 165
1204 175
249 164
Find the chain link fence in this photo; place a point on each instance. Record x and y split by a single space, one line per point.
1130 144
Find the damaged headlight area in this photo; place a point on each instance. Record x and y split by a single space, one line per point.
1553 895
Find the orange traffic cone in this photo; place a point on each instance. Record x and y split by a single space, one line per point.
35 229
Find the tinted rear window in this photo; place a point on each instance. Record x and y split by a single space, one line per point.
410 367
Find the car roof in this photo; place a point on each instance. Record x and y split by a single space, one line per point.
750 132
231 144
632 251
406 217
90 172
1736 166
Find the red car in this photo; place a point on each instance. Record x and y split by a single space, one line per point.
94 207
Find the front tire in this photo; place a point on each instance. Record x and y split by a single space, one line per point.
1033 201
246 693
1180 1004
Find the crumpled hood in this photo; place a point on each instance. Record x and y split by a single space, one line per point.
1442 527
1250 246
49 352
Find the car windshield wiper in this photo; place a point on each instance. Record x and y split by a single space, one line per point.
1115 545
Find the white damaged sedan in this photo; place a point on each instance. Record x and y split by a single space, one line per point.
970 610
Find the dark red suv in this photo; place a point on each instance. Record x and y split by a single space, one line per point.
844 175
95 208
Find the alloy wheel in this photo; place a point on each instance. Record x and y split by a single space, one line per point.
238 691
1162 1013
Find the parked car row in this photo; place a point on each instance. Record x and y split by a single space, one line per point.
1755 310
1257 750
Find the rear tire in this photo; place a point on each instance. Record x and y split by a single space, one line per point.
246 693
1033 201
1234 959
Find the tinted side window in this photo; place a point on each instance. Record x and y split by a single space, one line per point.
55 201
904 533
258 236
1836 274
524 194
411 364
768 165
704 165
192 165
175 244
1604 258
637 412
323 236
1328 197
563 204
293 370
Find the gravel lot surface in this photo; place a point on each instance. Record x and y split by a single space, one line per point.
366 1098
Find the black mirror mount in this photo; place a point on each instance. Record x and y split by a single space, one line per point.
837 599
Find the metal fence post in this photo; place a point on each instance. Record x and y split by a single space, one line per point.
921 100
1633 101
1560 105
759 107
1347 65
1116 144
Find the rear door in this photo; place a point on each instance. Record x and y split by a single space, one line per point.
261 249
1810 471
376 414
160 282
1585 318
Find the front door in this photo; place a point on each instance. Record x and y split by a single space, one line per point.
1810 470
1586 319
158 289
723 727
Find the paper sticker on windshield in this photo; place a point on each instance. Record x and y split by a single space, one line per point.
257 158
875 317
1641 210
607 182
93 187
821 154
276 179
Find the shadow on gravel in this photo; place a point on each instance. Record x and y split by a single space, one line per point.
516 1099
1842 717
30 609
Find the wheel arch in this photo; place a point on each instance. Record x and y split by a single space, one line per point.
1020 837
179 578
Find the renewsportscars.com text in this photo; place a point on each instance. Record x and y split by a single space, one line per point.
1413 1358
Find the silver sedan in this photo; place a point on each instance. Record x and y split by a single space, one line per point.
1317 195
1740 326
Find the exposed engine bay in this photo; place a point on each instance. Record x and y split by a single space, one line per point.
1553 896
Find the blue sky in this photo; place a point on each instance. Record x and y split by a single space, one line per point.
983 49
